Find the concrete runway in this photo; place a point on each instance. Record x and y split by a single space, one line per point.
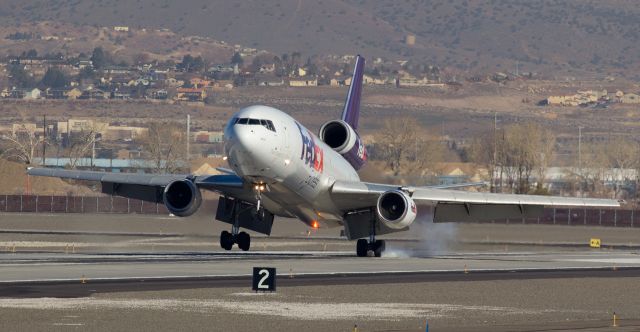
159 273
47 267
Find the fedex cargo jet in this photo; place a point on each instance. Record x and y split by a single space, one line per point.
280 168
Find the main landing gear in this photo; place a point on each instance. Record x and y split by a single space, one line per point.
242 239
363 246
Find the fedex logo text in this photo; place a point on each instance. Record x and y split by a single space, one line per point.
311 153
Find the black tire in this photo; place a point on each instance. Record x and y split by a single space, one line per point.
244 241
226 240
379 248
361 248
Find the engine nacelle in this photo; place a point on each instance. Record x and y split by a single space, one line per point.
396 209
182 198
342 138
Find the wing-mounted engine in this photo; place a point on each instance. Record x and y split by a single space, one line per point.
182 198
395 209
342 138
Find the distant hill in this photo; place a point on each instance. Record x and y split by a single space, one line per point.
571 37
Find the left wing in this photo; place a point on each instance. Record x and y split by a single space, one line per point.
455 205
147 187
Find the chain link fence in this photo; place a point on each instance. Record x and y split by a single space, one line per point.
115 204
78 204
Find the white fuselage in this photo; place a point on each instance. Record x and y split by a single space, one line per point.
266 146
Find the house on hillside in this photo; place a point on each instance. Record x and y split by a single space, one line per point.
190 94
32 94
198 82
303 83
17 93
74 93
55 94
410 81
158 94
336 82
270 82
93 94
208 137
630 98
121 94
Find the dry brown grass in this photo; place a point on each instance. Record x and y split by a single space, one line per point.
14 180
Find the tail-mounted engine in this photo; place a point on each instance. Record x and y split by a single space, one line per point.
341 137
396 209
182 198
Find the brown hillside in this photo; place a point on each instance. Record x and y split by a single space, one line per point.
553 37
13 180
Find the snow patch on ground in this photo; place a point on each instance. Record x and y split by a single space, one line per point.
268 307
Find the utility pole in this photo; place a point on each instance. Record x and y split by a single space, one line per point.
93 150
188 136
44 140
580 159
495 152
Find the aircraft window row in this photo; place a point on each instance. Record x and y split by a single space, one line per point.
246 121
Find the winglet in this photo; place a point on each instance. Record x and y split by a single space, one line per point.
351 111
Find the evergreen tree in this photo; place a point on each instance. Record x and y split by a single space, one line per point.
237 59
54 78
19 77
99 58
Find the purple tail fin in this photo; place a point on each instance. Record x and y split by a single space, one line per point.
351 111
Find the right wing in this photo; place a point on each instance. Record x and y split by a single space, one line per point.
456 205
148 187
458 185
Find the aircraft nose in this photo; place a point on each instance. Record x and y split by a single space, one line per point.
245 149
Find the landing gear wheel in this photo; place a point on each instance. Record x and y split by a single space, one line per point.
244 241
226 240
378 248
361 248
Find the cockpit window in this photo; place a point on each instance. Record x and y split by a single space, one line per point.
260 122
270 126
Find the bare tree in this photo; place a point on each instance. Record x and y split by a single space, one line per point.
544 149
428 152
82 142
525 149
623 156
164 144
396 140
21 144
484 151
595 162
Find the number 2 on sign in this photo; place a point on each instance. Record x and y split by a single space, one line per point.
265 275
